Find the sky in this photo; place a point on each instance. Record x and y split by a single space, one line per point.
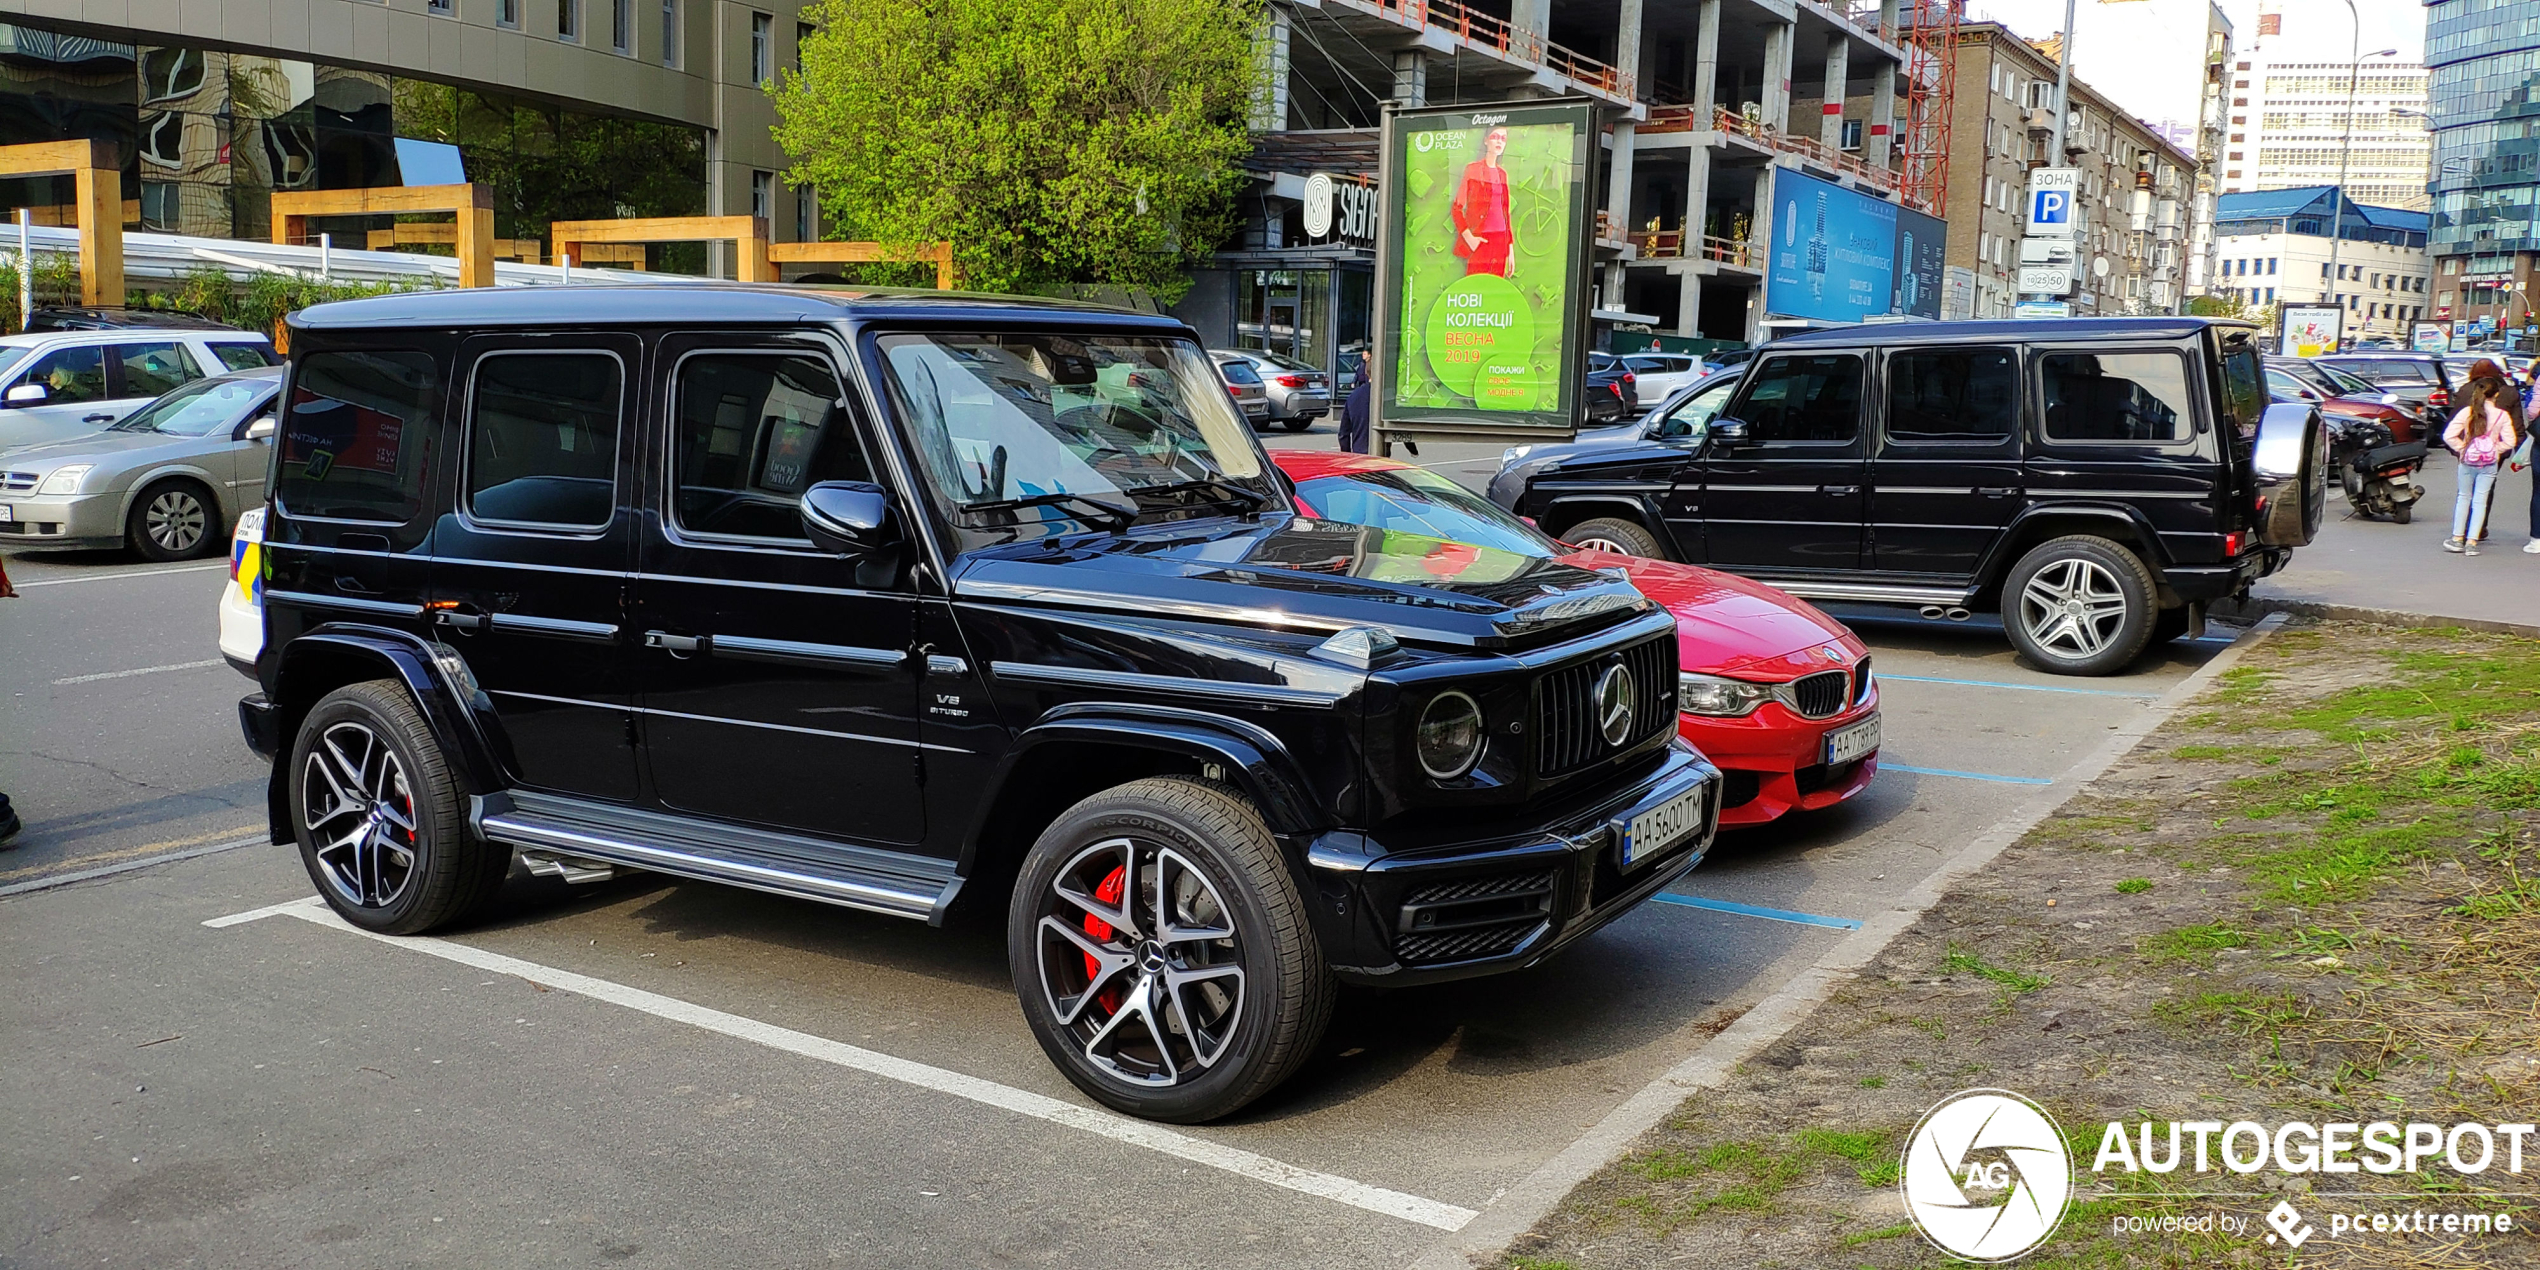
2112 36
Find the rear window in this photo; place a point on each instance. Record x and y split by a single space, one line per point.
1239 372
355 440
245 356
2390 370
542 439
2117 397
2244 389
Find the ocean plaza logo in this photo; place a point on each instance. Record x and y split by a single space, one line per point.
1986 1175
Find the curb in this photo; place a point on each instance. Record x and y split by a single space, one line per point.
2257 605
1516 1211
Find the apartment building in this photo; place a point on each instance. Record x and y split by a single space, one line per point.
2484 96
2293 124
2136 193
564 109
2276 251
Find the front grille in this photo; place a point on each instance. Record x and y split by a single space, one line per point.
1821 695
1861 681
1472 917
1817 776
1737 789
1566 726
19 482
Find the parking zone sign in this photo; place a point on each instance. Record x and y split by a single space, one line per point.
2051 193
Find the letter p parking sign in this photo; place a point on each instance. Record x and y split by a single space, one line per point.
2051 196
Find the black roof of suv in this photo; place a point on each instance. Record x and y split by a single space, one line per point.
896 599
2096 479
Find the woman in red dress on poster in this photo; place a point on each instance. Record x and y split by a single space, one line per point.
1480 210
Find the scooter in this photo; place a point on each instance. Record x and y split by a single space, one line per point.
2374 470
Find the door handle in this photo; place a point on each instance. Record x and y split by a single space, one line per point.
680 646
96 418
455 615
1998 491
1839 490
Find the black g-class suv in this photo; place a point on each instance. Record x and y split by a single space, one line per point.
2099 480
885 600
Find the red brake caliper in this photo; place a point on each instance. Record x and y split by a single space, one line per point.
1112 888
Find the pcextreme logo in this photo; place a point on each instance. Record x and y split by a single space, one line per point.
1986 1175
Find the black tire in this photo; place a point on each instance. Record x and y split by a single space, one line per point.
173 520
1613 533
1208 845
2402 513
1299 423
2103 589
351 738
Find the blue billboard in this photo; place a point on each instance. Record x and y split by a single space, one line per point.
1840 256
1921 262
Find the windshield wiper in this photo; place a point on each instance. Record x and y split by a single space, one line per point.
1114 516
1253 500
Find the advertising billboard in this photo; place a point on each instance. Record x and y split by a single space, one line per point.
2310 330
1482 269
2431 337
1834 251
1921 262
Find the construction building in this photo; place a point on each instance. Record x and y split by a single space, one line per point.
2135 198
2295 124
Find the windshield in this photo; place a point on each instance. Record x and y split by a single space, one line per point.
1694 411
199 408
1136 424
1416 501
2345 383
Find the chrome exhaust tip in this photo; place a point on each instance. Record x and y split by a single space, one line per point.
1959 615
1933 612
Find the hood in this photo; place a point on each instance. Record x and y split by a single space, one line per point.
1724 622
1296 573
86 448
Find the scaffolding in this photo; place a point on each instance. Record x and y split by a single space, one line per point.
1931 81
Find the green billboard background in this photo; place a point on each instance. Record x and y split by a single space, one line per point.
1489 329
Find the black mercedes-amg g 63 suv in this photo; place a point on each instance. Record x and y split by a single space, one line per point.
889 600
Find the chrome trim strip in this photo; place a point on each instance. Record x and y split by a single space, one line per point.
1868 592
1087 677
562 701
789 727
459 560
2051 492
790 651
516 829
561 628
798 588
346 602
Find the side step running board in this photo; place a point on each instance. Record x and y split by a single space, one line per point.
552 830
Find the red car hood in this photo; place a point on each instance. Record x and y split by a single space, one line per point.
1726 623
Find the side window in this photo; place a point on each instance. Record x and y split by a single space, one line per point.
1692 417
542 439
2117 397
1804 400
151 369
356 437
753 431
244 356
76 373
2244 390
1953 396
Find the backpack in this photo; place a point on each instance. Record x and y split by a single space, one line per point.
2480 451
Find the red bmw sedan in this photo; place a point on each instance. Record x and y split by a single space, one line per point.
1779 695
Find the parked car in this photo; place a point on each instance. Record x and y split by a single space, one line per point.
1661 375
58 384
1680 420
106 317
1010 609
1611 389
1780 696
1298 394
1244 385
2097 480
2337 393
2420 380
1728 358
167 481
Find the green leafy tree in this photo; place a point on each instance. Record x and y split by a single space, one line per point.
2222 306
1086 141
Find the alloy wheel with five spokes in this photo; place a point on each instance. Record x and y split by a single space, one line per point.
1139 961
2080 605
2073 606
357 805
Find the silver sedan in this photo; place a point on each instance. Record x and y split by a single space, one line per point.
168 481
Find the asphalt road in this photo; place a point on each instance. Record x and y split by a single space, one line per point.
651 1072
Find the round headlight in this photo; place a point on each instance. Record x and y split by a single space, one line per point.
1450 736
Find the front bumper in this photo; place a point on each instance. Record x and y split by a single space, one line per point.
1772 761
62 520
261 724
1433 912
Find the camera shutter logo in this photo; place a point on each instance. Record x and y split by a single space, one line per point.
1987 1175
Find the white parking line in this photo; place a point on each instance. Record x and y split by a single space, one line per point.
1138 1133
145 670
118 574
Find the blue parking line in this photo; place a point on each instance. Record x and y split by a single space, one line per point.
1990 683
1886 766
1750 910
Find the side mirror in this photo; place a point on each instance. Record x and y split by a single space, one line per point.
27 395
1728 434
260 430
847 518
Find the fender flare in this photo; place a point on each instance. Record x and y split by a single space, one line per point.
1641 508
222 494
435 676
2128 525
1256 761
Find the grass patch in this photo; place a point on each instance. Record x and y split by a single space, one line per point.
2012 982
2134 886
2194 943
1860 1237
2248 1011
1874 1082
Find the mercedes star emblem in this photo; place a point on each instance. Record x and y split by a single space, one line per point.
1614 705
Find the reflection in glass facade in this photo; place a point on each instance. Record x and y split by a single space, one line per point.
207 137
2484 95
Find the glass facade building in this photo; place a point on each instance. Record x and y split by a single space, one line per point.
2483 99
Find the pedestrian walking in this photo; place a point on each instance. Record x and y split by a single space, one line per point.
9 825
1354 412
2482 434
2486 373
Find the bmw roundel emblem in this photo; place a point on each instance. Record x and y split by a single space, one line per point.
1614 704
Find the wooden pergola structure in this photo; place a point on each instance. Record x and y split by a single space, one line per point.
473 234
861 253
748 234
100 207
525 250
